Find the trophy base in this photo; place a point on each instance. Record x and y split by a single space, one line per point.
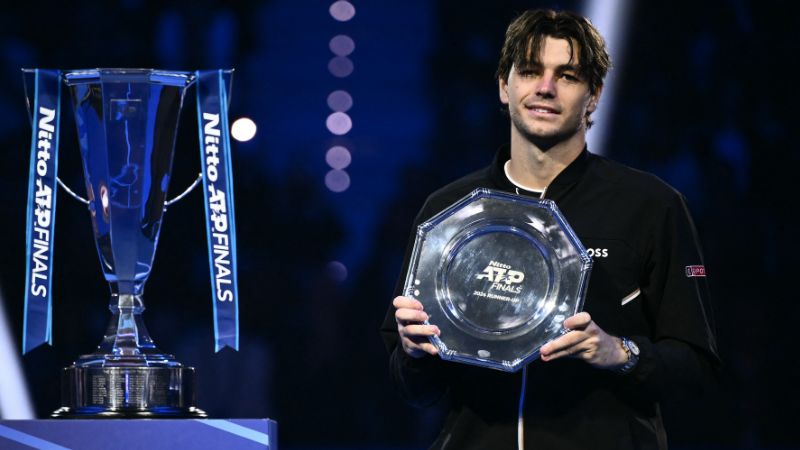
128 393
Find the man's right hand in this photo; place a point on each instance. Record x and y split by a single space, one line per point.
413 334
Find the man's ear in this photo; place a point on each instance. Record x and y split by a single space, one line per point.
594 100
503 89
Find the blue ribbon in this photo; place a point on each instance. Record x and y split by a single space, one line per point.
215 160
41 215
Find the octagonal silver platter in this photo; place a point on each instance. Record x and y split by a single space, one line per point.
498 274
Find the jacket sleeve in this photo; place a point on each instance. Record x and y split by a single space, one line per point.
682 348
418 380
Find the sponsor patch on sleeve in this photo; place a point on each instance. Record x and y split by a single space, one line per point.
695 271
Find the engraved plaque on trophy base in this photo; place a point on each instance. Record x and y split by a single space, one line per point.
128 392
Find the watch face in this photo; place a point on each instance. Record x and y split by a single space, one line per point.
498 274
634 348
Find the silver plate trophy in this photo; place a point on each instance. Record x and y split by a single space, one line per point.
498 274
127 121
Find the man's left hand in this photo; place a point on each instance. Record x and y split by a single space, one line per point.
588 342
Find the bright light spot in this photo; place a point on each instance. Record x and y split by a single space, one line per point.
340 66
338 157
342 45
104 196
342 11
340 101
337 180
337 271
243 129
339 123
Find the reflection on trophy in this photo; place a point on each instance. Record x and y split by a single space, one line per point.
498 274
127 121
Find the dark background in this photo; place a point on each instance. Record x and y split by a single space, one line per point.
705 98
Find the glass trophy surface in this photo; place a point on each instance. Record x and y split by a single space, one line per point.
498 274
127 121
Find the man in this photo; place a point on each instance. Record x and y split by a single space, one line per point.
646 324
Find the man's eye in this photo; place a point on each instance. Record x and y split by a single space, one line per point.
570 77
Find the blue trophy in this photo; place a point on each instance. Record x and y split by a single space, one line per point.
127 121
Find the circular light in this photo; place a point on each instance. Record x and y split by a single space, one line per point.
337 180
336 271
338 157
340 66
340 101
342 11
339 123
342 45
243 129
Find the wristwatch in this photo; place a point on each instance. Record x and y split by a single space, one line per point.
632 350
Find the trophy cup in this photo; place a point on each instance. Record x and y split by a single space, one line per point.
127 121
498 274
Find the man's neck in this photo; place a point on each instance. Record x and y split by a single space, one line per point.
536 168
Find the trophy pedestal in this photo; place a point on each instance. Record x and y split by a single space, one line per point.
171 434
128 393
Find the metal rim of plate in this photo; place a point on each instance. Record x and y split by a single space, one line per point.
535 275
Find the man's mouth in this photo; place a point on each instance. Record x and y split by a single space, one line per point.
542 109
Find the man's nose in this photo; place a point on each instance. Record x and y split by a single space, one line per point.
546 87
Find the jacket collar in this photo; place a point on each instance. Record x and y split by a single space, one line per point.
569 176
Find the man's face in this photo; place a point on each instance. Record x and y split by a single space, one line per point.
548 100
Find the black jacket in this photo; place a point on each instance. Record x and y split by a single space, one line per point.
646 241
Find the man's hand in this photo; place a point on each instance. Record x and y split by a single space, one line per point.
413 335
588 342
